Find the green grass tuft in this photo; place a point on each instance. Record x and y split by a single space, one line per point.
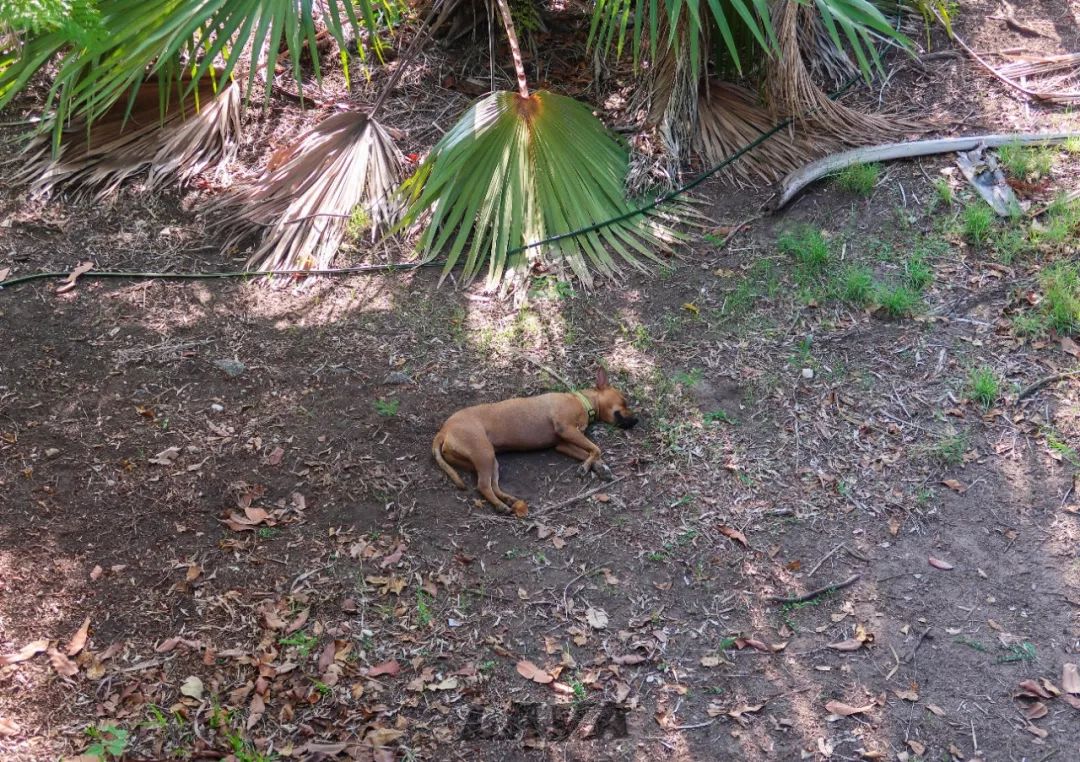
917 273
1023 162
897 301
1061 222
1061 296
857 286
808 247
983 386
859 178
944 192
978 222
1029 324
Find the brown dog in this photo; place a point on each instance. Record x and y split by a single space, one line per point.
470 437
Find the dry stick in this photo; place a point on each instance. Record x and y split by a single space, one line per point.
824 559
1054 97
582 495
546 369
815 593
1044 381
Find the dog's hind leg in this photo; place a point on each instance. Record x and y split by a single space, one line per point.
485 473
519 506
436 450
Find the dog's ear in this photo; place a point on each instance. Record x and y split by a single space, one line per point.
601 378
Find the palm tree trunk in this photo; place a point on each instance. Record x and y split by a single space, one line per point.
515 46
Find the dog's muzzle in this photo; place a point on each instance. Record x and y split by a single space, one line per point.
625 421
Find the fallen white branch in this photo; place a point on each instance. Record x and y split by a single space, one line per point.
800 178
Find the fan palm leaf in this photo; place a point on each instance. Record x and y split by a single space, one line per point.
515 170
644 25
130 138
301 206
173 40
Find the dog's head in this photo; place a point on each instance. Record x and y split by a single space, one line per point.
611 404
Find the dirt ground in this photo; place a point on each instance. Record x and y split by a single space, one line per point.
234 487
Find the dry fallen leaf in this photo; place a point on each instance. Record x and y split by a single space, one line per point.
711 661
530 671
256 711
383 736
917 747
1031 689
955 485
937 563
29 651
734 534
275 456
911 694
1070 347
166 456
78 640
742 709
386 668
9 727
852 644
628 659
597 618
1036 711
846 710
935 709
192 687
62 664
95 573
1070 678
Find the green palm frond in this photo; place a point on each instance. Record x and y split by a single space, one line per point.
514 171
174 39
645 25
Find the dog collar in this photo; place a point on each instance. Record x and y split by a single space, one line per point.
589 409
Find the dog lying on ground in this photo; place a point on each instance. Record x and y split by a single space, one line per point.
471 437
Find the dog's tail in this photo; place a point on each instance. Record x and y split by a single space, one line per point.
436 450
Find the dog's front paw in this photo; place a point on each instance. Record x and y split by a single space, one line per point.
520 508
583 471
603 471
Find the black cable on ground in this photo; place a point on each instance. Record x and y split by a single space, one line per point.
399 266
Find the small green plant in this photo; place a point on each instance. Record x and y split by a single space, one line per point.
156 718
857 286
719 416
978 221
944 192
974 644
387 408
950 449
657 556
1061 222
358 224
302 641
917 273
1010 243
268 533
983 385
897 301
808 247
423 607
1018 652
691 378
1023 162
322 688
579 691
1071 146
1029 324
107 742
1061 296
1066 452
859 178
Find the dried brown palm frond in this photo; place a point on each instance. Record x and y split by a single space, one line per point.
827 63
301 205
195 133
731 117
791 92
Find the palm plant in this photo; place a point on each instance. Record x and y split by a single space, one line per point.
517 170
520 167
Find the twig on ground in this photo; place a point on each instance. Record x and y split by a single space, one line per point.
561 379
918 643
824 558
1027 392
581 495
815 593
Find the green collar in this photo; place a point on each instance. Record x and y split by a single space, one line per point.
589 409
